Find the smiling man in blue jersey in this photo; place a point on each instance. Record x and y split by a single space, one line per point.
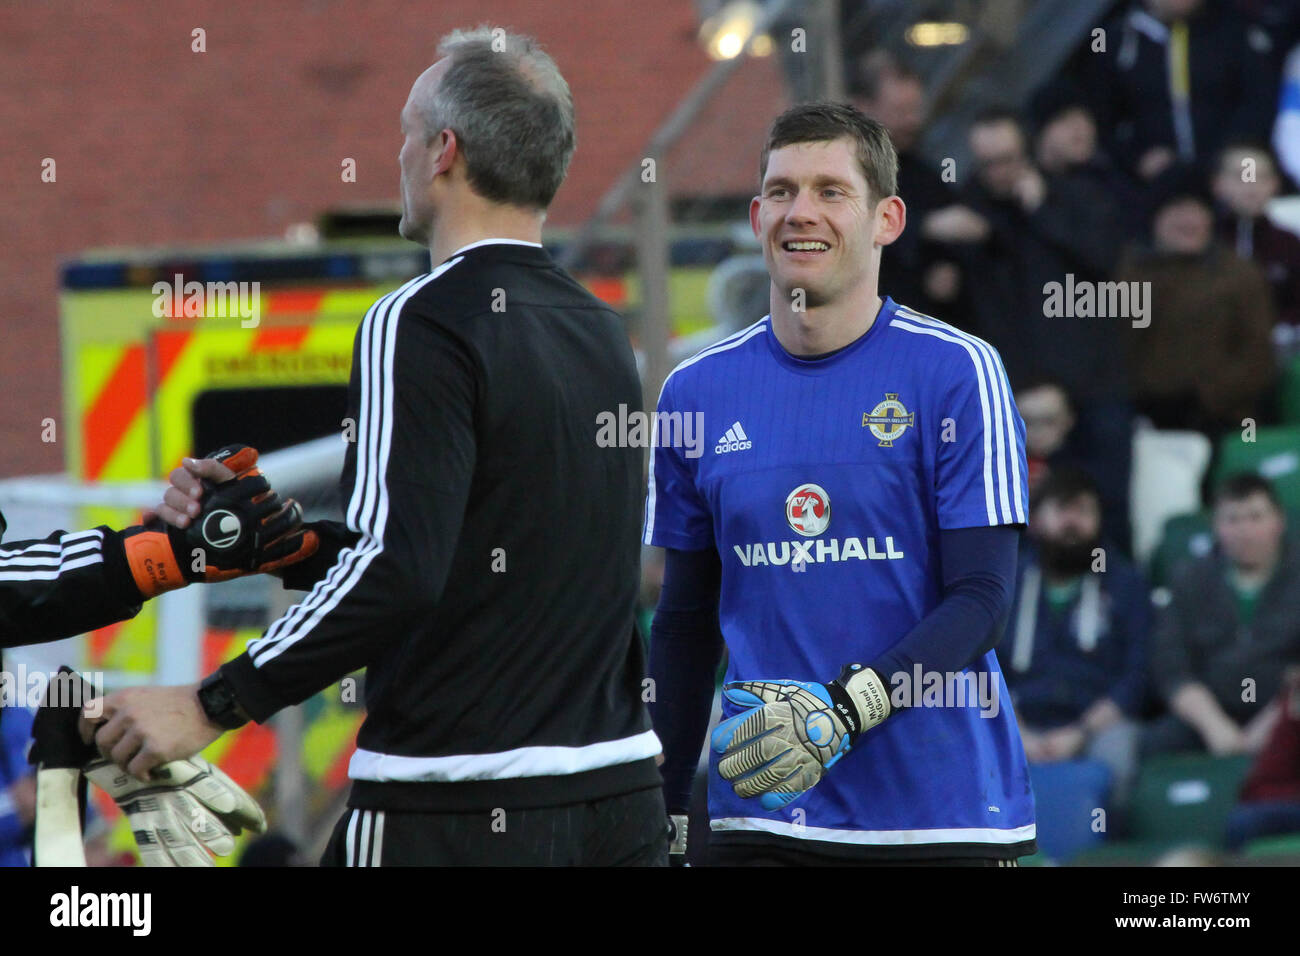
857 555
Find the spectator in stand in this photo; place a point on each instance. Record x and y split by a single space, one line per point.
1048 415
1273 25
1270 796
1230 629
1066 145
915 271
17 788
18 801
1036 231
1176 81
1074 657
1052 441
1245 182
1205 361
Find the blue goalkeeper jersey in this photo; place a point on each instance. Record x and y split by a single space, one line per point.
823 485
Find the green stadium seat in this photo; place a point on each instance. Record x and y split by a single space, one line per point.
1126 853
1274 849
1185 537
1185 799
1275 454
1036 859
1066 795
1288 397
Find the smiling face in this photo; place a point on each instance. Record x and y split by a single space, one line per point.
817 221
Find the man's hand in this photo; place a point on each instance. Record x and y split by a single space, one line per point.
220 519
793 731
181 502
942 281
1034 745
1155 161
956 224
1064 743
1194 704
1031 189
1224 739
143 727
1260 727
1104 713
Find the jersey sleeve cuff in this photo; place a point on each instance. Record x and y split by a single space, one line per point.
253 692
681 542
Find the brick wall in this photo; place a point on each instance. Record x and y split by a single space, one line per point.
155 144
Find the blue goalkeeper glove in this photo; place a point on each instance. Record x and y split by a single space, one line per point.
792 732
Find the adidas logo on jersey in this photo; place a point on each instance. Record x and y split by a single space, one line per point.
734 440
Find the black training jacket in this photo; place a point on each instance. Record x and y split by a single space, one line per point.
487 569
69 583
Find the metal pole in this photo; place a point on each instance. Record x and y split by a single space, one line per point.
653 264
663 139
832 51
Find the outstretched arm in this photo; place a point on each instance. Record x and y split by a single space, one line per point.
685 648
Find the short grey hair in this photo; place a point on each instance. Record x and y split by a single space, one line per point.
511 111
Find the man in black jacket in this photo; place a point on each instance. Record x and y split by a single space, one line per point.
486 573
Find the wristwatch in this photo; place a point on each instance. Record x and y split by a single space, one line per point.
218 702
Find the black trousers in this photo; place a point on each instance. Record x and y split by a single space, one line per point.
626 830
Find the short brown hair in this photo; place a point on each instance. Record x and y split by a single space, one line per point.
826 122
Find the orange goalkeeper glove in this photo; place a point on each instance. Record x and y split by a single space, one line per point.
242 528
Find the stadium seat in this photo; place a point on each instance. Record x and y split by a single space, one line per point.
1125 853
1288 393
1275 454
1275 849
1066 797
1185 799
1167 471
1185 537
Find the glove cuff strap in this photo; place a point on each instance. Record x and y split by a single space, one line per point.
678 827
152 560
867 693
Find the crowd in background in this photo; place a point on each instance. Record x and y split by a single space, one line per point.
1151 163
1154 162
